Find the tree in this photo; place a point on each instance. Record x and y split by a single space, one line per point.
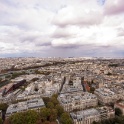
92 89
8 76
0 79
46 100
17 74
50 105
29 117
55 95
94 122
54 101
118 112
65 119
53 115
46 122
59 109
37 72
7 121
1 121
35 79
47 114
118 120
17 118
44 114
3 106
107 121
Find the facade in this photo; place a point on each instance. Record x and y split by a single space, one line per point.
72 85
12 86
90 115
34 104
77 101
74 95
106 96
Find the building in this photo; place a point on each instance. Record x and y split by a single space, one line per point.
106 96
77 100
33 104
11 87
88 116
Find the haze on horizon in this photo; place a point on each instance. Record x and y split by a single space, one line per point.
61 28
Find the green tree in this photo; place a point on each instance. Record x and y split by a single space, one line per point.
29 117
1 121
55 95
92 89
0 79
59 109
37 72
118 120
46 122
17 118
7 121
35 79
45 114
53 115
54 101
94 122
50 105
65 119
3 106
118 112
46 100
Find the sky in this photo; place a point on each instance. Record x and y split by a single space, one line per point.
61 28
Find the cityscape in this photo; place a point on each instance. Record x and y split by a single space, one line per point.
78 90
61 61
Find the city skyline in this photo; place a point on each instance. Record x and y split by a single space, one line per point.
67 28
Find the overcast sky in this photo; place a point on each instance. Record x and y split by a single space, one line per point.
61 28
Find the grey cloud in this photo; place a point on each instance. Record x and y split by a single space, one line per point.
67 46
1 48
86 50
76 45
62 33
25 16
29 29
114 7
120 32
77 21
43 44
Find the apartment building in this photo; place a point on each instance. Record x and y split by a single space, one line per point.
106 96
33 104
77 100
88 116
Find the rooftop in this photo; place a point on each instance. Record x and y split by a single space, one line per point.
22 106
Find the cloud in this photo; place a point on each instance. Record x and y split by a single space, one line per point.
64 28
67 32
77 16
59 33
25 16
121 32
114 7
16 40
